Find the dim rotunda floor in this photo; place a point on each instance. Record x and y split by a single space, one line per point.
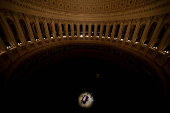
59 86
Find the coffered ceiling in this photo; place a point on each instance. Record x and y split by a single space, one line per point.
91 6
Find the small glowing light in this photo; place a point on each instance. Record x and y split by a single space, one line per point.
136 42
145 44
8 47
128 40
81 35
121 39
51 37
167 52
92 32
115 38
29 41
108 37
44 38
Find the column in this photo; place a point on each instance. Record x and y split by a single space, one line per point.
101 31
145 31
127 31
120 33
107 31
84 31
89 32
46 29
38 29
60 31
53 29
19 29
27 21
135 33
95 30
113 31
11 38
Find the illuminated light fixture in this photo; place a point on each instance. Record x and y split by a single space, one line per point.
19 43
128 40
29 41
121 39
37 39
136 42
8 47
108 37
92 32
64 36
97 36
166 51
81 35
52 37
44 38
145 44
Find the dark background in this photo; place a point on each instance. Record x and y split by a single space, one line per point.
58 87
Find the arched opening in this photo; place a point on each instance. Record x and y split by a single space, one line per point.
4 37
63 30
161 34
57 30
24 29
81 30
150 32
50 30
104 31
131 32
140 33
98 30
117 31
14 31
124 31
75 30
110 31
42 30
34 31
87 30
69 30
92 30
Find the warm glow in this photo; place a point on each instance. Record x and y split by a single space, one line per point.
85 100
81 35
